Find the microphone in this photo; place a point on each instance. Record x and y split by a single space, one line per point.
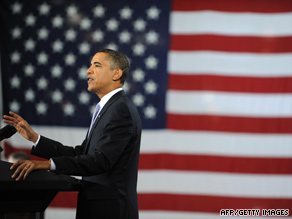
7 132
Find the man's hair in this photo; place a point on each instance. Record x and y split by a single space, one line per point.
118 60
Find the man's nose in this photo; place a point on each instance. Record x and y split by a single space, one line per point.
89 71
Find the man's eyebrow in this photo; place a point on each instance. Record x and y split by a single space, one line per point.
98 63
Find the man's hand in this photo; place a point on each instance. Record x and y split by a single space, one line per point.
21 126
25 167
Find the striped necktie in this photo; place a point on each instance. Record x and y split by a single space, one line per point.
97 108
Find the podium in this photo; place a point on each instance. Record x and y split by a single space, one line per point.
32 196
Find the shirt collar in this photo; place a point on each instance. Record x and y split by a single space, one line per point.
106 97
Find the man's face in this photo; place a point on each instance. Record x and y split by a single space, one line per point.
100 75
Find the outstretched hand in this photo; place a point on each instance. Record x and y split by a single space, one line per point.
25 167
21 126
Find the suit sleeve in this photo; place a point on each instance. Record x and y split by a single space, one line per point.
108 143
48 148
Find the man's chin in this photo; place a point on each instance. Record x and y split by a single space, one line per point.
91 90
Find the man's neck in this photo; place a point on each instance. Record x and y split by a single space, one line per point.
104 93
106 97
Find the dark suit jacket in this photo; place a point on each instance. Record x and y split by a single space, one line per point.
107 160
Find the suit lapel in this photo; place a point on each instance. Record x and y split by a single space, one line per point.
102 112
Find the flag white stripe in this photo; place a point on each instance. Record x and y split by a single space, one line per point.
187 215
228 23
58 133
230 63
63 213
226 103
175 215
211 183
69 213
190 142
216 143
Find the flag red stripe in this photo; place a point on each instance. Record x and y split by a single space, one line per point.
207 163
203 162
261 6
204 203
231 43
8 149
230 84
65 200
216 163
191 203
229 124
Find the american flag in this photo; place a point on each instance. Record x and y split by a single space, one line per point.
212 81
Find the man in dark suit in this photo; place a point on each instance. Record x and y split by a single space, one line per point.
108 157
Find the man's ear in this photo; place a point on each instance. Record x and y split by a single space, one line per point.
118 74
